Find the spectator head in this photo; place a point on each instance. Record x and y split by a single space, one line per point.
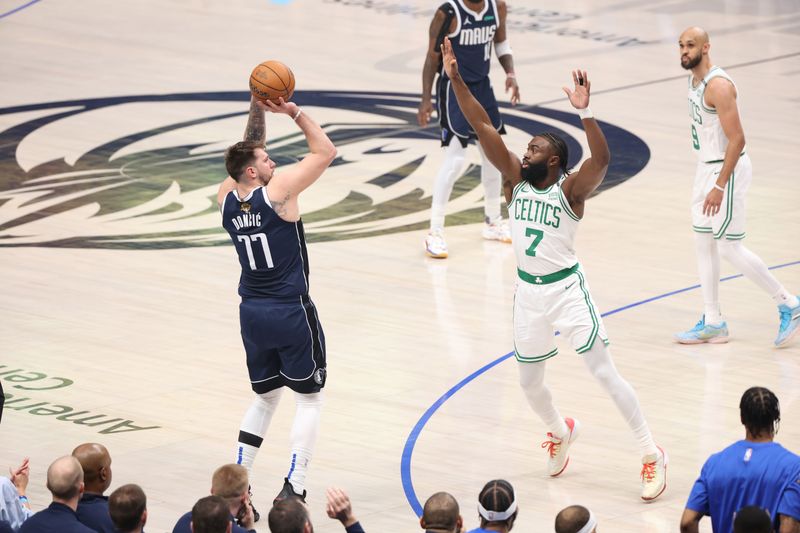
289 516
441 513
230 483
128 508
497 504
760 412
752 519
96 464
575 519
211 515
65 480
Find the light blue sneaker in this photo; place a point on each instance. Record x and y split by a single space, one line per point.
702 332
790 324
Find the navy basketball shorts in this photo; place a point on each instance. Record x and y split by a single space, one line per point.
453 121
284 343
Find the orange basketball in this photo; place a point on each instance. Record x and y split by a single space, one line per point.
271 80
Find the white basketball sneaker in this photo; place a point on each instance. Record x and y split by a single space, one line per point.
558 449
654 475
435 245
497 230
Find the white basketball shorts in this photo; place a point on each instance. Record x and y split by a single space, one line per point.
729 222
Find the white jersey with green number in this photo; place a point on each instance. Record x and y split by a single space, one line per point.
708 139
543 228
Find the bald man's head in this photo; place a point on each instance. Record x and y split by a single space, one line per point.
694 46
696 33
572 519
96 463
441 513
65 478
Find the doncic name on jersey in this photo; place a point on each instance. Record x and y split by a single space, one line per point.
152 183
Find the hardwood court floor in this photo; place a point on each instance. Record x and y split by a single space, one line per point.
118 295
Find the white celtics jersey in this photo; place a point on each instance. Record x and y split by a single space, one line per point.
708 139
543 228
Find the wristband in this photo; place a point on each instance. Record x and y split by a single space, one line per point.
299 112
510 75
23 499
585 113
720 189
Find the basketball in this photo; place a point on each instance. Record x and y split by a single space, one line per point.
271 80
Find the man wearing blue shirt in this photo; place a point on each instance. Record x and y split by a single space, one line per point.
65 482
754 471
93 507
229 482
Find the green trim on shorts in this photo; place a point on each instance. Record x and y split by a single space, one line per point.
595 323
719 160
534 358
702 229
566 206
734 237
546 279
729 213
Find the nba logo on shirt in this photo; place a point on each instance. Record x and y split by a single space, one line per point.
748 454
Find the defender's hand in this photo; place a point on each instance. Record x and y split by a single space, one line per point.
712 203
424 112
579 97
449 59
511 85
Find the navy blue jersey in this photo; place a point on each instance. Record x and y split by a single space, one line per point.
272 251
472 38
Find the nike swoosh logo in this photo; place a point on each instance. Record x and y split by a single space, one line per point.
568 286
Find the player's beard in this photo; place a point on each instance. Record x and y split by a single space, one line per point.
535 173
692 62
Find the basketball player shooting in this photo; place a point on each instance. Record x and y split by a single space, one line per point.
545 205
282 335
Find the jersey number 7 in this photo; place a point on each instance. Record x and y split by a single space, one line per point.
538 234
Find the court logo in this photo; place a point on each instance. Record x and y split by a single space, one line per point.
142 172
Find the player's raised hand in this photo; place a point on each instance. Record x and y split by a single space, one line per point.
449 59
287 108
579 97
258 103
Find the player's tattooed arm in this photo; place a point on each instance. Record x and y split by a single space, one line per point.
256 129
281 207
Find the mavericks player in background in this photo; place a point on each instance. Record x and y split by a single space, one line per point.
545 205
723 176
474 27
282 336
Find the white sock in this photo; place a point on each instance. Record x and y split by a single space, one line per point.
454 156
490 178
708 267
756 271
531 379
303 437
254 426
598 359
